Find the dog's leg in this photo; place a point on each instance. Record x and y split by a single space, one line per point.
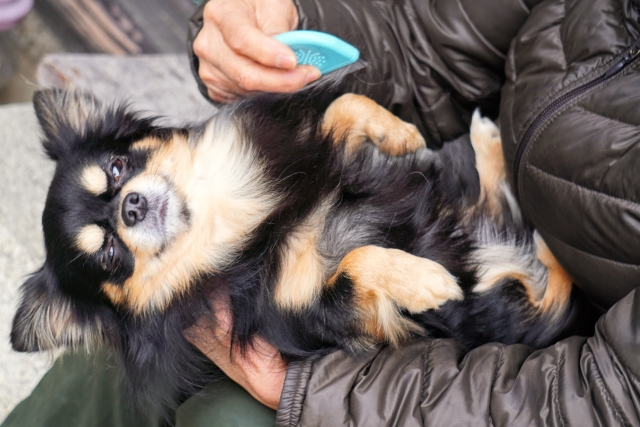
384 282
558 287
494 188
358 119
547 284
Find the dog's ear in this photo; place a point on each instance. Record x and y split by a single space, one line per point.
47 319
64 117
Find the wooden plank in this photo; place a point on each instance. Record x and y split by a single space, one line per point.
123 26
160 84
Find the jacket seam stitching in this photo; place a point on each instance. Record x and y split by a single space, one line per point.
441 99
491 47
607 340
556 386
425 379
588 111
605 392
605 260
524 6
496 373
298 382
586 189
564 52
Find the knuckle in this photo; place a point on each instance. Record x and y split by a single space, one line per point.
245 78
200 46
238 39
214 96
212 10
205 74
292 16
291 86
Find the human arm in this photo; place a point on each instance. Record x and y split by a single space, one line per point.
260 370
429 62
579 381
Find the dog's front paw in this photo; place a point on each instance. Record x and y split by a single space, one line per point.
395 137
386 282
356 119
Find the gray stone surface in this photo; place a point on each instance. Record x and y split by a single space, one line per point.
154 84
24 178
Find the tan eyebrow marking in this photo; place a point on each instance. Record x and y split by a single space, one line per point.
90 239
94 180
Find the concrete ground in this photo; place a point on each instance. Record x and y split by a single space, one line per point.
155 84
32 40
24 178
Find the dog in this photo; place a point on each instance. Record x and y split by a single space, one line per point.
323 220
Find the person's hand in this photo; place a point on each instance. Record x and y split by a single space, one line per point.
261 371
238 54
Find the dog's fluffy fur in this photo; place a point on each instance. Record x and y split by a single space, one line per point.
323 220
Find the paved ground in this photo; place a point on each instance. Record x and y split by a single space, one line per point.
24 178
157 84
32 39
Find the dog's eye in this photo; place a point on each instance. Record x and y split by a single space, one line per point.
117 168
109 256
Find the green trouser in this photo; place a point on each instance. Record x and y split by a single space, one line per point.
85 391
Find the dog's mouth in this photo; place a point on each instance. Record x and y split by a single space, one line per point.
157 215
164 217
163 212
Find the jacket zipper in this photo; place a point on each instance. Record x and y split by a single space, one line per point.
632 53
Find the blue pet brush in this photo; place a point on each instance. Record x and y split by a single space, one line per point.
324 51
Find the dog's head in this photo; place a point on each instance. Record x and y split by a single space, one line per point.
114 207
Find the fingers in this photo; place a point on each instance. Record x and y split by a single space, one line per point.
261 370
247 26
238 54
220 87
245 39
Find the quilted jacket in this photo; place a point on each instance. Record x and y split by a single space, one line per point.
563 78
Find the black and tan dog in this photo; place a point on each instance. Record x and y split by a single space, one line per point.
324 220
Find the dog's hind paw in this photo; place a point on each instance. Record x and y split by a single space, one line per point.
487 144
386 282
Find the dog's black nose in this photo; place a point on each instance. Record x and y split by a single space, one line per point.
134 208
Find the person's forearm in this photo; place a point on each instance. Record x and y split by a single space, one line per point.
429 62
578 381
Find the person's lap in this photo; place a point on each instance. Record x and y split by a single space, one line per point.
86 390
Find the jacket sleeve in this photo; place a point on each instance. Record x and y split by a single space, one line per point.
579 381
430 62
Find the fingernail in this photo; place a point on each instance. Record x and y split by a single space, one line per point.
312 75
285 61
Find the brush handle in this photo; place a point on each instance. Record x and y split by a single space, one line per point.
322 50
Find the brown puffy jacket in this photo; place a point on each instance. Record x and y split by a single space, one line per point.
570 126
